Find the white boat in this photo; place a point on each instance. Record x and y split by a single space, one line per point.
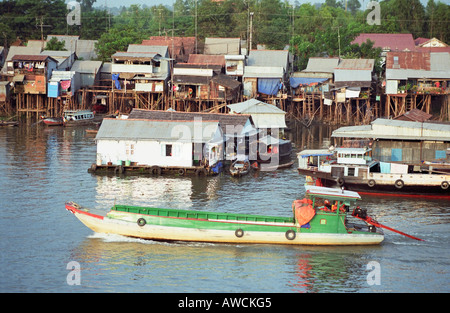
78 117
354 169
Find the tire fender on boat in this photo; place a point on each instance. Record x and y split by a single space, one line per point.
399 184
340 181
290 234
141 221
119 169
371 183
444 185
155 170
181 171
239 233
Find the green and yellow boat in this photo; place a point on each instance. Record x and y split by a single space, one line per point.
311 223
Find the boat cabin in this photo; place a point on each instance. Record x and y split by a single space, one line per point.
315 159
78 115
343 197
340 162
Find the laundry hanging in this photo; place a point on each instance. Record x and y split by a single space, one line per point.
115 78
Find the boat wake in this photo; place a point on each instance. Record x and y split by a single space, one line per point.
120 238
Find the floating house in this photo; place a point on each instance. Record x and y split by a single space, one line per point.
237 129
264 115
156 146
401 140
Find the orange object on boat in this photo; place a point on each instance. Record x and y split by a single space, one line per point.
303 211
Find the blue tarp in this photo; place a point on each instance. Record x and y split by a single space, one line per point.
269 86
115 78
297 81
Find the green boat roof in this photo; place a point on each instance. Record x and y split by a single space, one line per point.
331 193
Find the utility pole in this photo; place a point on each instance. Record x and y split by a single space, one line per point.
251 31
42 29
196 47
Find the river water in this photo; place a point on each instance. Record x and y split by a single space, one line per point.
42 167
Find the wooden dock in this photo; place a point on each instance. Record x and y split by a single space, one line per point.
134 169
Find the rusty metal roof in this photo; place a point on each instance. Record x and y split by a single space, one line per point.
32 58
408 60
392 42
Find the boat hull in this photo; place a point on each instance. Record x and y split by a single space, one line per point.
53 121
390 184
159 228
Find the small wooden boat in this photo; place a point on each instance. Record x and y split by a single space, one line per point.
310 223
53 121
240 167
8 123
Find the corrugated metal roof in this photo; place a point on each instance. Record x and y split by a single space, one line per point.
269 58
90 67
356 64
440 62
263 72
133 129
391 42
162 50
222 46
134 55
33 58
61 75
408 60
86 49
322 65
254 106
207 59
396 129
228 122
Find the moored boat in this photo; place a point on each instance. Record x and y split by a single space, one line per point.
273 153
8 123
78 117
240 167
354 169
53 121
310 224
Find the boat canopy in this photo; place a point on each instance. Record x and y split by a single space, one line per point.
269 140
331 193
315 152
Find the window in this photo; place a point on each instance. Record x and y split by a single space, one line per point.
129 149
168 150
351 171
